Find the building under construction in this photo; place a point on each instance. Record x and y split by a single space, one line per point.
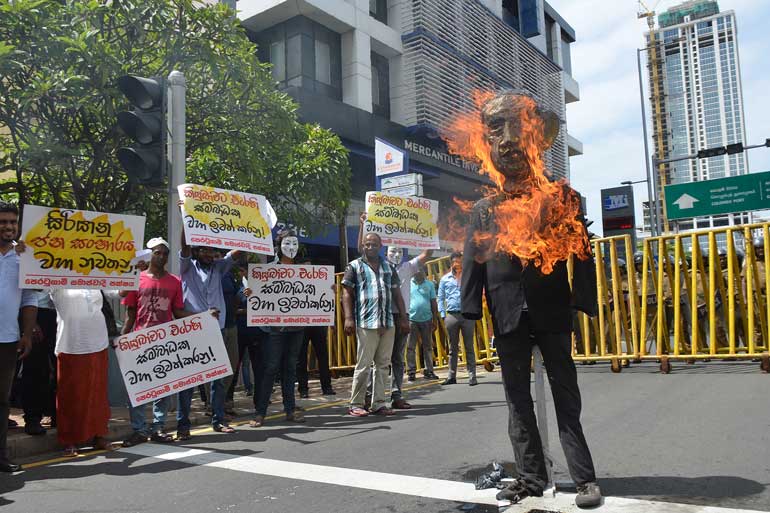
696 98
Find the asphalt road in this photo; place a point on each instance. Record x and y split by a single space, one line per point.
700 435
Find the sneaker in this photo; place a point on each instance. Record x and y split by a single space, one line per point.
449 381
162 437
34 429
514 492
136 438
473 382
303 394
410 377
431 375
588 495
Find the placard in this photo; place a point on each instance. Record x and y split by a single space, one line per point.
291 295
404 222
168 358
227 219
79 249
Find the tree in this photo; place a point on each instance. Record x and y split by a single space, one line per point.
59 62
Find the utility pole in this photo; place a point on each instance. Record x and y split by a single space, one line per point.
176 151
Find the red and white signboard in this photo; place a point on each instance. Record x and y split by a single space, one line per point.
168 358
291 295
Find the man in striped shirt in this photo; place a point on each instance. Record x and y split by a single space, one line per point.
370 288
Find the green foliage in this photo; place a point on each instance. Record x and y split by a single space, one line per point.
59 62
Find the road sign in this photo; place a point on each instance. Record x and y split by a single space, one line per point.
404 190
390 182
720 196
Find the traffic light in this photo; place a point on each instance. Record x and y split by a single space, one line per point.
145 161
712 152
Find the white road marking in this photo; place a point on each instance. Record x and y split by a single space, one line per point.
455 491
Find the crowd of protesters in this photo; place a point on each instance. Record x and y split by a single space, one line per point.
55 343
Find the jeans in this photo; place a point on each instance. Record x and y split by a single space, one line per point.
397 364
318 336
515 352
377 347
423 330
139 418
280 351
217 401
7 373
454 323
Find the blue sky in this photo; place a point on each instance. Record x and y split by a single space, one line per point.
607 119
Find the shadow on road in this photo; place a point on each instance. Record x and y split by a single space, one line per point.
691 490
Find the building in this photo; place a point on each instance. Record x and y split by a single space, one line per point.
696 97
400 70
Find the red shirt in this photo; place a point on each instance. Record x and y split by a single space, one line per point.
155 300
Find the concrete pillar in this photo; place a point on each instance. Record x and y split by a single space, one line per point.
357 69
556 44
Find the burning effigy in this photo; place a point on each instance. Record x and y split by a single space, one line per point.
525 213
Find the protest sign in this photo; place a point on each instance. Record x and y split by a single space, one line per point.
78 249
291 295
227 219
405 222
171 357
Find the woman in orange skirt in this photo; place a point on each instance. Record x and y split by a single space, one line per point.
82 408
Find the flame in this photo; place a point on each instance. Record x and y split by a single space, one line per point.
536 219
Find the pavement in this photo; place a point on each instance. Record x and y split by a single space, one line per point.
693 441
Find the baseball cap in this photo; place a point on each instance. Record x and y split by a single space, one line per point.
157 241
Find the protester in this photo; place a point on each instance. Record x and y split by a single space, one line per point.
449 294
82 407
423 322
202 288
529 307
38 381
250 338
317 335
230 286
13 342
371 287
280 350
158 300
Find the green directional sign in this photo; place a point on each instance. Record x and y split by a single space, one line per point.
720 196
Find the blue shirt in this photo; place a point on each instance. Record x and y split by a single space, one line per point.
420 309
448 294
202 287
14 298
374 292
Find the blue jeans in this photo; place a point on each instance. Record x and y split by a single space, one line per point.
139 419
218 394
280 351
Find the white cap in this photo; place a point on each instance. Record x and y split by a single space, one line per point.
157 241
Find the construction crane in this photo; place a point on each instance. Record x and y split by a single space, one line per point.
646 12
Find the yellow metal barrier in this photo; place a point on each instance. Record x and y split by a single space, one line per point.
694 296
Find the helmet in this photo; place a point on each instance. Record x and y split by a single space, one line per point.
638 257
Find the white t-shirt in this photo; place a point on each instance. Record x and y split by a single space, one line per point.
80 324
406 271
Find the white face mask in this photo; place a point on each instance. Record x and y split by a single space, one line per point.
395 255
289 247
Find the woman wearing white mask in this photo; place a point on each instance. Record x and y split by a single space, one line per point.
280 349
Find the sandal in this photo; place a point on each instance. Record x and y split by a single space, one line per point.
356 411
257 421
183 435
223 428
384 411
70 451
102 444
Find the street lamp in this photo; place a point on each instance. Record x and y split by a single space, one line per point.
653 217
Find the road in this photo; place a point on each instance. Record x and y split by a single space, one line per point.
698 436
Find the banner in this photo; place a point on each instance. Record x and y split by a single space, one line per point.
291 295
227 219
78 249
388 159
405 222
168 358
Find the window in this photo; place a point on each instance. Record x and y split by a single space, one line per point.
375 86
378 9
323 66
278 60
380 85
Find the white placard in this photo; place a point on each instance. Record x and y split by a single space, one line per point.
79 249
291 295
168 358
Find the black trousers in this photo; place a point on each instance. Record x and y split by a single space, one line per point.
249 341
515 353
7 373
318 336
38 377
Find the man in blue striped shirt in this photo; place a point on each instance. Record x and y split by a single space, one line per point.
370 287
449 308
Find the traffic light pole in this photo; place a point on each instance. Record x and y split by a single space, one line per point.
176 153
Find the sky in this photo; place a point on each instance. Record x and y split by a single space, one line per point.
608 119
